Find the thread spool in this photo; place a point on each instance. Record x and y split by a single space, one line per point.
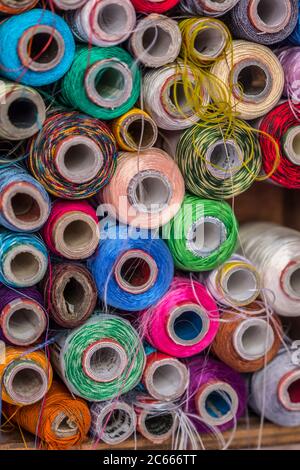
283 126
64 422
183 322
150 186
280 403
73 155
23 318
248 339
135 131
204 40
26 377
157 6
165 378
12 7
274 251
72 230
166 98
207 7
155 422
202 235
289 58
217 394
264 21
69 4
72 294
103 23
24 204
23 259
102 82
133 271
101 359
22 111
41 48
112 422
156 40
235 283
256 76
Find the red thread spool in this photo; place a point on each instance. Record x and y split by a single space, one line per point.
154 6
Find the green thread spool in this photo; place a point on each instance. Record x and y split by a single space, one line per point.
102 82
202 235
219 161
100 359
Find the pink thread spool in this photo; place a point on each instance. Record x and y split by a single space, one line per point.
184 322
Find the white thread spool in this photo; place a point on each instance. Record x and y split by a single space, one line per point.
24 265
217 403
253 338
166 378
205 236
22 111
104 361
26 383
23 321
75 235
113 422
291 145
156 40
188 324
270 16
135 271
289 390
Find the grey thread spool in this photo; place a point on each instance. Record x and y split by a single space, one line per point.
281 381
264 21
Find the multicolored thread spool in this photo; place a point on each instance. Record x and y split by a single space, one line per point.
63 423
274 250
102 82
23 259
156 40
235 283
72 230
70 294
103 22
248 338
131 271
202 235
37 48
253 79
22 111
101 359
113 422
135 131
207 7
24 203
217 394
165 377
73 155
275 391
183 322
25 376
146 190
23 318
282 124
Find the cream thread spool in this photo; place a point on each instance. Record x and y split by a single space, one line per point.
24 265
113 422
217 403
25 382
104 361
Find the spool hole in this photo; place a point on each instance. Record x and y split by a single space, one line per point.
295 282
152 192
209 42
109 83
74 295
218 404
105 364
207 236
254 339
24 266
141 132
25 207
296 144
241 285
27 383
252 80
22 113
294 391
79 158
66 427
135 272
272 12
178 98
118 424
42 48
225 158
77 234
112 19
23 324
167 380
158 425
156 41
188 326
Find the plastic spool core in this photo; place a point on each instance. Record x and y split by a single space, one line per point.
79 159
158 425
63 426
270 16
292 145
26 383
253 81
167 379
24 265
41 48
24 322
104 361
289 390
210 42
108 83
217 403
136 271
120 424
205 236
188 324
224 160
141 133
253 338
291 280
240 285
156 41
149 191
